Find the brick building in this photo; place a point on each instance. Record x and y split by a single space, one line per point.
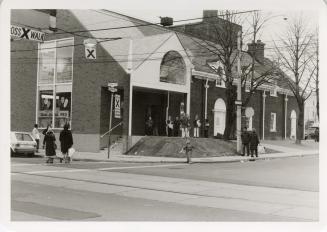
159 72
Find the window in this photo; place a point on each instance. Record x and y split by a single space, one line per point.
273 92
273 122
249 113
173 69
220 82
55 77
218 68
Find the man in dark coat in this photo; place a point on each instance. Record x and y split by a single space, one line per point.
254 141
66 142
245 136
50 145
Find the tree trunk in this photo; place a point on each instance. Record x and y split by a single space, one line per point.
299 131
231 95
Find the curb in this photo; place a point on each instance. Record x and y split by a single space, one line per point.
209 160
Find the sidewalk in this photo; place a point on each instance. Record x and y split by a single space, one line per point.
287 149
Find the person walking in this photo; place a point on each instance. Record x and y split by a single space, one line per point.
50 145
177 125
196 126
254 141
245 137
188 150
317 134
36 136
66 142
170 127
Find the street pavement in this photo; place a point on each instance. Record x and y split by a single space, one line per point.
265 190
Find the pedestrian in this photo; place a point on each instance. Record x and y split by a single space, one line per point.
185 125
149 126
50 145
66 142
196 126
245 137
206 128
169 127
254 141
176 129
36 136
317 134
188 150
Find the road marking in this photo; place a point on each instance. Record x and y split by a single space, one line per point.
97 169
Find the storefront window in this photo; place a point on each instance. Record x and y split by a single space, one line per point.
46 63
64 61
45 108
55 86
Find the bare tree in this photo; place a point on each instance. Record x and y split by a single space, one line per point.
256 72
295 55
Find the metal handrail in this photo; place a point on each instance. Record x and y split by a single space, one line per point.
111 129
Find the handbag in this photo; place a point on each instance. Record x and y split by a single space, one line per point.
71 152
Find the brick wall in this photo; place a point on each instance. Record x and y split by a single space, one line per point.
23 71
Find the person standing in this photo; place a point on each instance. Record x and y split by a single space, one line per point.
36 136
50 145
176 127
206 128
169 126
254 141
317 134
66 142
149 126
196 125
245 137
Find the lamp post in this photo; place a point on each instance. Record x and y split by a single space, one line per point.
112 89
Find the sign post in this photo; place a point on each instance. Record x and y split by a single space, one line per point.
112 89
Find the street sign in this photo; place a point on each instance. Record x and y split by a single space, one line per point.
26 33
112 84
117 106
90 53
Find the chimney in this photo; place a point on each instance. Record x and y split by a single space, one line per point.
210 15
257 49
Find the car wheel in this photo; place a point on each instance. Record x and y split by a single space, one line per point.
31 154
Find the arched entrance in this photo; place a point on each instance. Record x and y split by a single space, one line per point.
293 125
219 116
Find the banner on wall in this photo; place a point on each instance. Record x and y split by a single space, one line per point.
117 106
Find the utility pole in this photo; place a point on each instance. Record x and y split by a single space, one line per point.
238 103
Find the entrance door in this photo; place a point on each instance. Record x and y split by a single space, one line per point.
293 124
219 116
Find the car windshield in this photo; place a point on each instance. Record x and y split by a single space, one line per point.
23 137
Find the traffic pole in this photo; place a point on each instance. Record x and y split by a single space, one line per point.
110 118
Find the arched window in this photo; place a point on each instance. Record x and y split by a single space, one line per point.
172 68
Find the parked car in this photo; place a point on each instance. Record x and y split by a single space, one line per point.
22 142
310 133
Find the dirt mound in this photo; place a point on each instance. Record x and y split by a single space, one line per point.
173 147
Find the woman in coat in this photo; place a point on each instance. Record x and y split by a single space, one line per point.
254 141
50 145
66 142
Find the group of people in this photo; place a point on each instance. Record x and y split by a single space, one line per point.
179 127
49 142
250 142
